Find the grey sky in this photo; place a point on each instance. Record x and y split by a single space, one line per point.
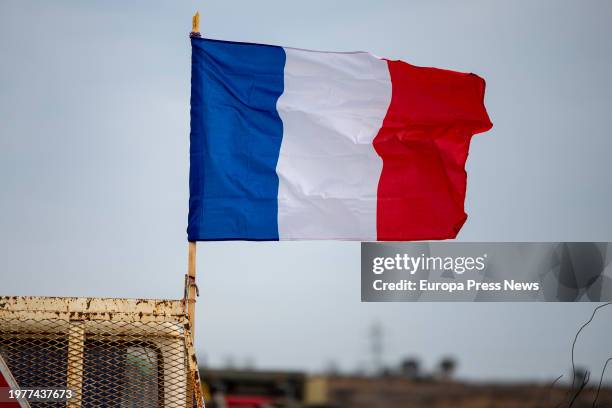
94 123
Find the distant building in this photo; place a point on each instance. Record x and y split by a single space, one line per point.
232 388
397 392
250 388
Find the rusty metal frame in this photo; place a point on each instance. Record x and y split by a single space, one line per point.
108 309
78 311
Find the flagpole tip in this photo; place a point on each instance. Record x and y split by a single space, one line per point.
195 25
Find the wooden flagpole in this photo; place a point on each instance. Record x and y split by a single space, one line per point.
191 289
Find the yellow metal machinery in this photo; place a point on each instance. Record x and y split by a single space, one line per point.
109 352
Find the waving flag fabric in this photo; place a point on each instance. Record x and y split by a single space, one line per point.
290 144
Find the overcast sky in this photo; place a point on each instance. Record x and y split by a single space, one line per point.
94 124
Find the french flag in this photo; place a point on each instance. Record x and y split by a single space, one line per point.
291 144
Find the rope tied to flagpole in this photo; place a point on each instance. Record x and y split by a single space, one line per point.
190 282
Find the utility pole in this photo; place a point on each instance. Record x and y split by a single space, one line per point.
376 347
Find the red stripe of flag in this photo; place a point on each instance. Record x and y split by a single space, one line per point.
424 142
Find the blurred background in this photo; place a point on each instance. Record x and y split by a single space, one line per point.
94 125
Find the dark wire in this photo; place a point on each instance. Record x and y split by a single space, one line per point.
576 339
601 381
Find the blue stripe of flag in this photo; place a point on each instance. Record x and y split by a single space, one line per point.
236 135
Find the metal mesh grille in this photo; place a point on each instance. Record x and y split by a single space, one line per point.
115 364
